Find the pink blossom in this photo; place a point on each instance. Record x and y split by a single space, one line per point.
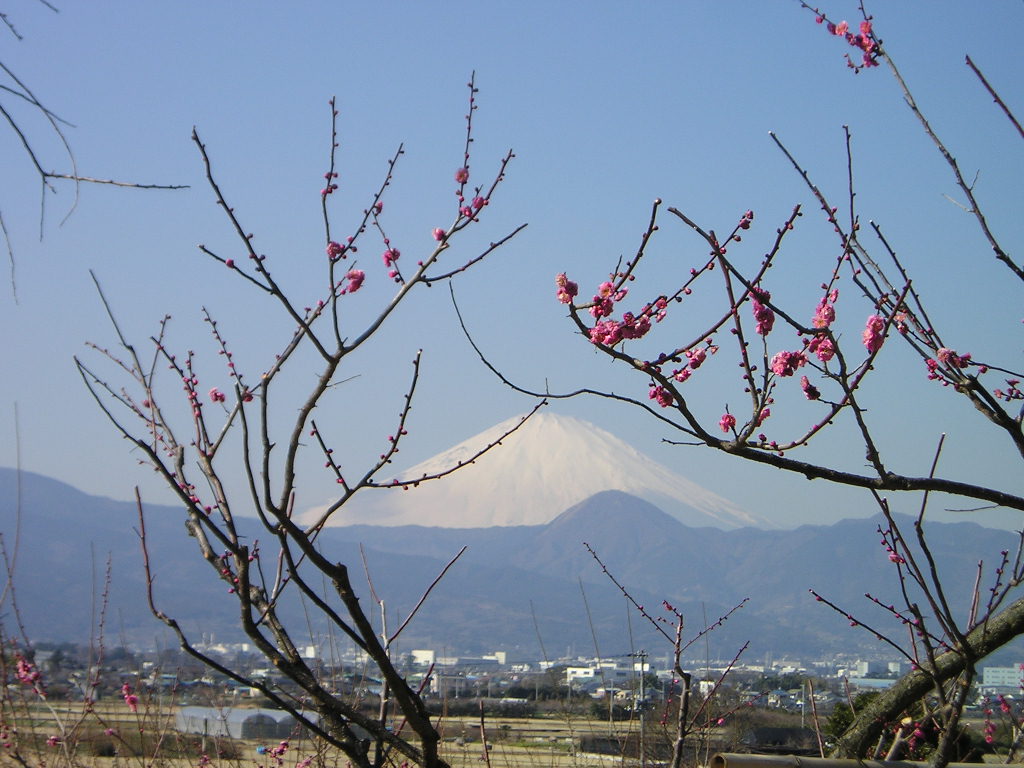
662 306
786 363
873 335
682 375
949 357
335 250
607 332
841 29
53 741
602 307
634 327
567 289
217 396
764 414
462 175
390 256
478 203
696 357
28 674
355 280
810 391
823 347
764 316
727 422
824 314
662 395
438 234
130 698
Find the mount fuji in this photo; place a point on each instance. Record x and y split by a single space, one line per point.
549 464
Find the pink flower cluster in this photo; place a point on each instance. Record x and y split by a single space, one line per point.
355 279
874 333
763 315
129 697
826 312
694 359
28 674
823 347
661 395
567 289
277 753
949 357
217 396
605 298
786 363
611 332
335 250
864 41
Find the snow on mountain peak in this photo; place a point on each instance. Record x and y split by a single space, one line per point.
549 464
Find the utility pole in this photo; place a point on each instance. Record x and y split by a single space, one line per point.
642 704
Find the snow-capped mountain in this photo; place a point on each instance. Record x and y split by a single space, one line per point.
551 463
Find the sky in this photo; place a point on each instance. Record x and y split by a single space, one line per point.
606 107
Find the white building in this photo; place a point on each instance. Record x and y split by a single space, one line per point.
1003 677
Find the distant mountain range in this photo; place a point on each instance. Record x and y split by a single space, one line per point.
546 466
516 588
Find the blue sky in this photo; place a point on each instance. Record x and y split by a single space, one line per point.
606 106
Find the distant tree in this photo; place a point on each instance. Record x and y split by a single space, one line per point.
201 439
823 351
843 714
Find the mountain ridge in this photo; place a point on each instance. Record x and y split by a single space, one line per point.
511 583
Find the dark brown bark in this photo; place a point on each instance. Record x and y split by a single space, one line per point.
860 738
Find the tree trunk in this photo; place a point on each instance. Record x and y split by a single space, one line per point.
861 736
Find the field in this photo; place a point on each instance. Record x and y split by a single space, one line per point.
110 735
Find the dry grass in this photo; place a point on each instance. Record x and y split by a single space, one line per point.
148 740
